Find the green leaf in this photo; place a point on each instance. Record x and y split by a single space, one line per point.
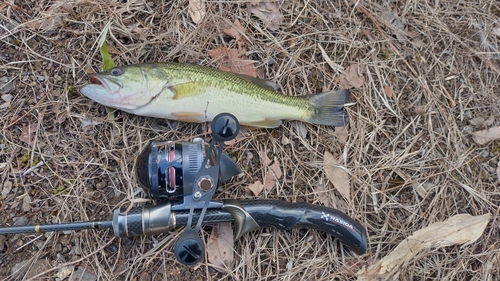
107 63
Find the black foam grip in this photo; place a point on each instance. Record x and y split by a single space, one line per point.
284 215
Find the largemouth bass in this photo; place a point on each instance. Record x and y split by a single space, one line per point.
195 93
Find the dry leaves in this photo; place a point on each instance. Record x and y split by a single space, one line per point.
496 31
197 10
396 23
273 173
336 174
53 18
388 91
236 31
27 133
220 245
459 229
268 12
484 136
256 188
7 100
342 132
234 60
353 76
480 122
243 134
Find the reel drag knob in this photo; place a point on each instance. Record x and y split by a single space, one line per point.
189 249
225 127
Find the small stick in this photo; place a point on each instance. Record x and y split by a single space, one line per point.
453 103
39 164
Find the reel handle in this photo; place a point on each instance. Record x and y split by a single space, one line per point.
189 248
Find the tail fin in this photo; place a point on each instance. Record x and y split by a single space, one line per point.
329 108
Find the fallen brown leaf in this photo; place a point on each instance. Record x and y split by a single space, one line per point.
353 77
256 188
484 136
197 10
264 158
232 61
398 24
342 132
243 134
113 50
26 133
496 31
273 175
459 229
235 31
268 12
388 91
336 175
489 121
220 245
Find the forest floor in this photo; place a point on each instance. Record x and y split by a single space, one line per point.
425 79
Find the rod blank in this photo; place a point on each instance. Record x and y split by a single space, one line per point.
56 227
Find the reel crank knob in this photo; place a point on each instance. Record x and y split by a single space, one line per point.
189 249
225 127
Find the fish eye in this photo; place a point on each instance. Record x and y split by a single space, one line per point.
116 71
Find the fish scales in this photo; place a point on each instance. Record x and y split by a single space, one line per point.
196 93
226 80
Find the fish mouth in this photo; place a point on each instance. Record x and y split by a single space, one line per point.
109 85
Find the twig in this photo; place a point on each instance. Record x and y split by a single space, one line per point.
39 164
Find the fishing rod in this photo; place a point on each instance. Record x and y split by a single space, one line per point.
182 178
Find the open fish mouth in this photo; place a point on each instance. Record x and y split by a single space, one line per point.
94 80
109 85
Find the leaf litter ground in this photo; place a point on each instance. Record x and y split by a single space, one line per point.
424 74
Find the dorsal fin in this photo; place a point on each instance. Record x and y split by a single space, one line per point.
261 82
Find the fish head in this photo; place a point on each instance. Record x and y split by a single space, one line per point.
124 87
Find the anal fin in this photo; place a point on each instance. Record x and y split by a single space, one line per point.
194 117
266 123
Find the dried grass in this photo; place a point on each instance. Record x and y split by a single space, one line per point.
442 74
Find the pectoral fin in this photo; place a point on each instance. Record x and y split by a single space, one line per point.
188 89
